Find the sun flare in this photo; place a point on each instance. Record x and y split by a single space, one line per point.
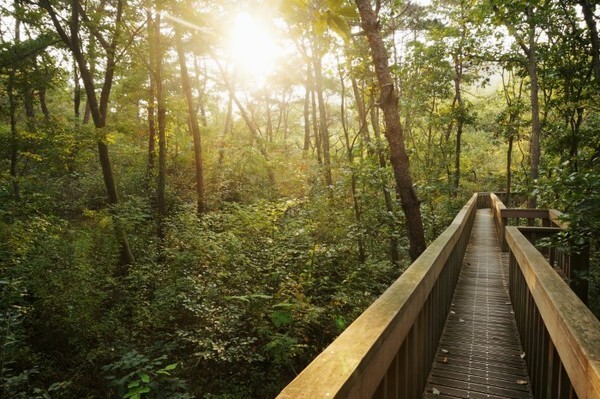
253 49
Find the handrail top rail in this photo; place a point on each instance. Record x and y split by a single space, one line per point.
360 350
571 325
525 213
558 218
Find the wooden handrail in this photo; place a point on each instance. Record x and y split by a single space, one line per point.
388 350
572 266
497 207
559 333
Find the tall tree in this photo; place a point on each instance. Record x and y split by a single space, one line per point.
193 123
161 109
525 33
109 36
388 101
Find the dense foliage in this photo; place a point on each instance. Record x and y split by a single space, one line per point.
224 281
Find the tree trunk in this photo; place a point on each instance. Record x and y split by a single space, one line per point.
509 169
194 127
362 115
362 257
14 137
534 147
306 146
389 203
587 7
316 126
44 103
151 95
388 101
226 131
76 96
323 129
201 93
162 135
460 120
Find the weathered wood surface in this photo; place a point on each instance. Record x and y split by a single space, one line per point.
573 330
525 213
359 362
479 355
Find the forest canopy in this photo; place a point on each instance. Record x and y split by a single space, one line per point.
196 197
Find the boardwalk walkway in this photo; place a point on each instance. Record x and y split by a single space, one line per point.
480 354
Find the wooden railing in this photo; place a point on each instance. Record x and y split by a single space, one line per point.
387 351
560 336
570 261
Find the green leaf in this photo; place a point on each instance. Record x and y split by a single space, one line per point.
348 11
339 26
171 367
133 384
145 378
320 25
281 317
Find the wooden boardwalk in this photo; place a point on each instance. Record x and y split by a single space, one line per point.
480 355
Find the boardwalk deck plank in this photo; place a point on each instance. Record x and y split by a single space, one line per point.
480 355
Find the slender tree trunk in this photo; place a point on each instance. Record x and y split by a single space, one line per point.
151 94
255 135
43 103
14 137
362 257
587 7
534 147
315 119
87 112
162 135
226 131
389 203
362 115
29 109
458 75
76 96
12 105
269 119
97 109
388 101
509 169
323 129
306 119
201 93
194 127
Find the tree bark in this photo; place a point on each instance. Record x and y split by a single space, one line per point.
44 103
587 7
162 120
536 128
323 129
458 67
316 126
362 257
14 137
194 127
306 115
362 115
151 95
509 169
12 105
388 101
389 203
